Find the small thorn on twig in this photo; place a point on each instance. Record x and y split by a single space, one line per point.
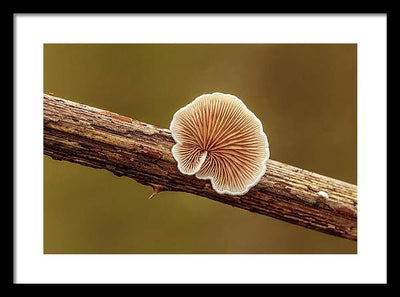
156 189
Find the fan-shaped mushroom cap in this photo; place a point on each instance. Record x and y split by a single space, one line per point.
218 138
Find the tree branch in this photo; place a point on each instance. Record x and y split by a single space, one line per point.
101 139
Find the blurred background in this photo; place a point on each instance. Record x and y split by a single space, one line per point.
304 94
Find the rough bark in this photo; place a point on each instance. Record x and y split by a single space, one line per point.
101 139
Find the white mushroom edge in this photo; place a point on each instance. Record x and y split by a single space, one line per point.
261 131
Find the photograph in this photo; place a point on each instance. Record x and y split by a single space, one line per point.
200 148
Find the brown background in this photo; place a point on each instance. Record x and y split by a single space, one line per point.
304 94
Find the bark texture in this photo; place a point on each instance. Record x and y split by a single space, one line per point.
102 139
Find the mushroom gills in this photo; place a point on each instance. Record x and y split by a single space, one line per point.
218 138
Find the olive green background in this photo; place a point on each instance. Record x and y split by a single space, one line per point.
304 94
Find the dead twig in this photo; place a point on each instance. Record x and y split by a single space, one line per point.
101 139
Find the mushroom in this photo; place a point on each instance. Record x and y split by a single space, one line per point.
218 138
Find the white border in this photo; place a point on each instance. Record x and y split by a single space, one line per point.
368 31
